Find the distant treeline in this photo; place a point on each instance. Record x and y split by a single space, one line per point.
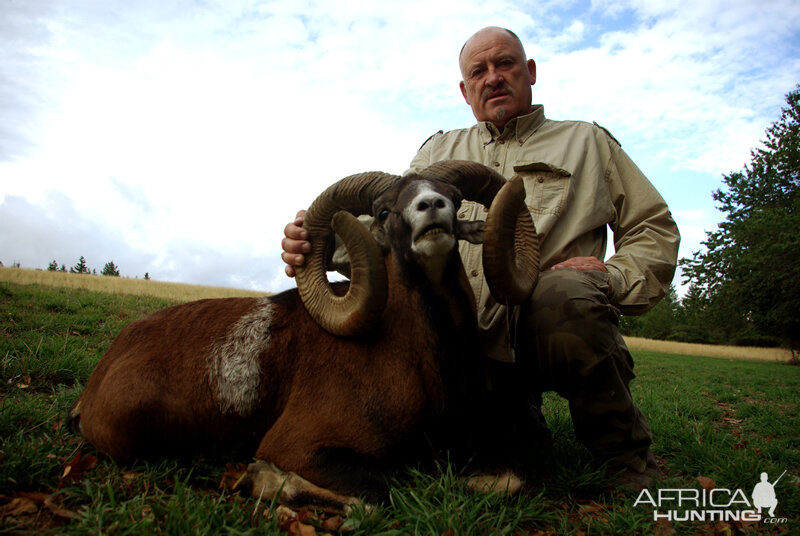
694 320
81 267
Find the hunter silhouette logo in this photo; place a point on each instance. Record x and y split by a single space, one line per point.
764 494
714 504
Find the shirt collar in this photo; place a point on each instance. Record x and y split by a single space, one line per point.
522 127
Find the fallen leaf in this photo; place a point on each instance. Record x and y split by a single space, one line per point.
301 529
284 514
75 468
17 507
128 476
591 508
36 496
58 510
232 475
308 516
148 515
24 382
333 523
722 528
664 528
706 483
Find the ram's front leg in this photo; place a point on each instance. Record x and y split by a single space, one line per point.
266 481
302 447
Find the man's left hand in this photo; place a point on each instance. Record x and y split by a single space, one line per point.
583 264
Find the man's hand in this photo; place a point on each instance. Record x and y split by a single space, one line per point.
583 264
295 244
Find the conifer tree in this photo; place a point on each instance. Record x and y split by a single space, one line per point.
110 269
749 272
81 267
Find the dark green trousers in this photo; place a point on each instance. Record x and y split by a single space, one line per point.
567 340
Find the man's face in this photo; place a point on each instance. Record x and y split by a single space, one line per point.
497 78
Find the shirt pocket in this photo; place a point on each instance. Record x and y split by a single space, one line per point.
546 191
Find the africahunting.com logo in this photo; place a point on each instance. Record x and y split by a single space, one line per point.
714 504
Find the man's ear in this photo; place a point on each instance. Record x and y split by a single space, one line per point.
471 231
463 87
532 71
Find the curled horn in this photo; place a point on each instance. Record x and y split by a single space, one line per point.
333 211
510 242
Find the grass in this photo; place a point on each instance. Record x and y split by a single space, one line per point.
724 419
179 292
709 350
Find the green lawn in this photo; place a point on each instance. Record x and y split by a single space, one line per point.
724 420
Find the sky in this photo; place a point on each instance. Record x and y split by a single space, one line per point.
178 138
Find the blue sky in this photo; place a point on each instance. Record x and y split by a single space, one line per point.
178 138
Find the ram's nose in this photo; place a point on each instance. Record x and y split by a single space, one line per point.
431 203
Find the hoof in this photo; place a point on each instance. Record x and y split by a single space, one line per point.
265 481
507 483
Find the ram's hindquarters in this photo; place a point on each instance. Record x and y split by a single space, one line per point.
158 391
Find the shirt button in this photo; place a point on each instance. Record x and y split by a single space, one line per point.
496 164
462 215
540 180
474 273
486 209
501 142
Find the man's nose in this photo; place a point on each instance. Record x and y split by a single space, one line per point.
494 79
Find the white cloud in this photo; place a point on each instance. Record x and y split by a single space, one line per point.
177 130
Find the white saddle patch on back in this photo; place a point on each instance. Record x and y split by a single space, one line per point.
234 362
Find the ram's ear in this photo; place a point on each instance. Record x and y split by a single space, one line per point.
471 231
379 234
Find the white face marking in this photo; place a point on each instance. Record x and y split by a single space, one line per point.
430 215
234 365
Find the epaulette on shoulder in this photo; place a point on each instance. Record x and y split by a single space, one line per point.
609 134
429 138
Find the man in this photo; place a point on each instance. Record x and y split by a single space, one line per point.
578 181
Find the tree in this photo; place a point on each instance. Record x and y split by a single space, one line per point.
661 322
80 268
52 267
110 269
749 271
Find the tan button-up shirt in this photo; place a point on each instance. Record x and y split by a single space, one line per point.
578 180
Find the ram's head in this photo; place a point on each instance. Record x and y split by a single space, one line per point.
416 217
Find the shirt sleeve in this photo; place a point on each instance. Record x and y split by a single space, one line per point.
423 157
646 238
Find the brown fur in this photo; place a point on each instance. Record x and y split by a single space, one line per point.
338 412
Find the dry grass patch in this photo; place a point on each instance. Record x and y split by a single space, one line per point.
183 292
121 285
709 350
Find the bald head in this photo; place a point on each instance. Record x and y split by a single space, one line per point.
497 77
488 31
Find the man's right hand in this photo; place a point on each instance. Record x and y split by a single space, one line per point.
295 244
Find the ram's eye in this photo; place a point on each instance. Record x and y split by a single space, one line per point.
383 214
